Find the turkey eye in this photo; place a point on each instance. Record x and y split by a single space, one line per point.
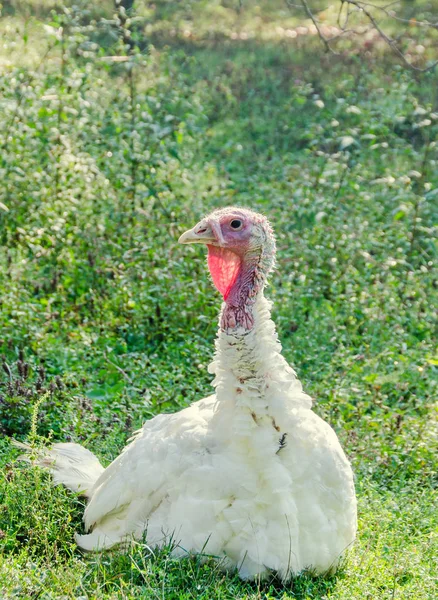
236 224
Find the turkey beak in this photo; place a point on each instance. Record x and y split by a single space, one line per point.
202 233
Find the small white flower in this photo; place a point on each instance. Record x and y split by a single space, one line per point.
420 111
319 103
53 31
347 141
355 110
389 179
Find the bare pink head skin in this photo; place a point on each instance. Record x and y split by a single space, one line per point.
241 253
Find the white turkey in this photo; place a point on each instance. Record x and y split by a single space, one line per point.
250 475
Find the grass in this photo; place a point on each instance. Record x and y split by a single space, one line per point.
105 321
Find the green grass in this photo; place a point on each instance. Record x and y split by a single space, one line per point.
106 321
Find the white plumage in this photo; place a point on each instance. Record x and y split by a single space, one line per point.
251 474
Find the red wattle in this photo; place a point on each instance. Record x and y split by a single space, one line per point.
224 267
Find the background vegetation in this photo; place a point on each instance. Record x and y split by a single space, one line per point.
117 132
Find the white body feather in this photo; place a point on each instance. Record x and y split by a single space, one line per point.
250 475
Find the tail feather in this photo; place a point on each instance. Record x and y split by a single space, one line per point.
70 464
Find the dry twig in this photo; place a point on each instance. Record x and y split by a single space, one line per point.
366 8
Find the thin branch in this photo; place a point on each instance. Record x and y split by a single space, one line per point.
338 20
119 369
309 13
412 20
391 43
380 7
391 14
291 5
366 9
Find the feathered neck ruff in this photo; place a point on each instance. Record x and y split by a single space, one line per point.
250 372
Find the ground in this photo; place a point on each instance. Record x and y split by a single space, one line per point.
110 150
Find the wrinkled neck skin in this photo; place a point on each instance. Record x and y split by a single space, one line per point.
252 377
238 310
